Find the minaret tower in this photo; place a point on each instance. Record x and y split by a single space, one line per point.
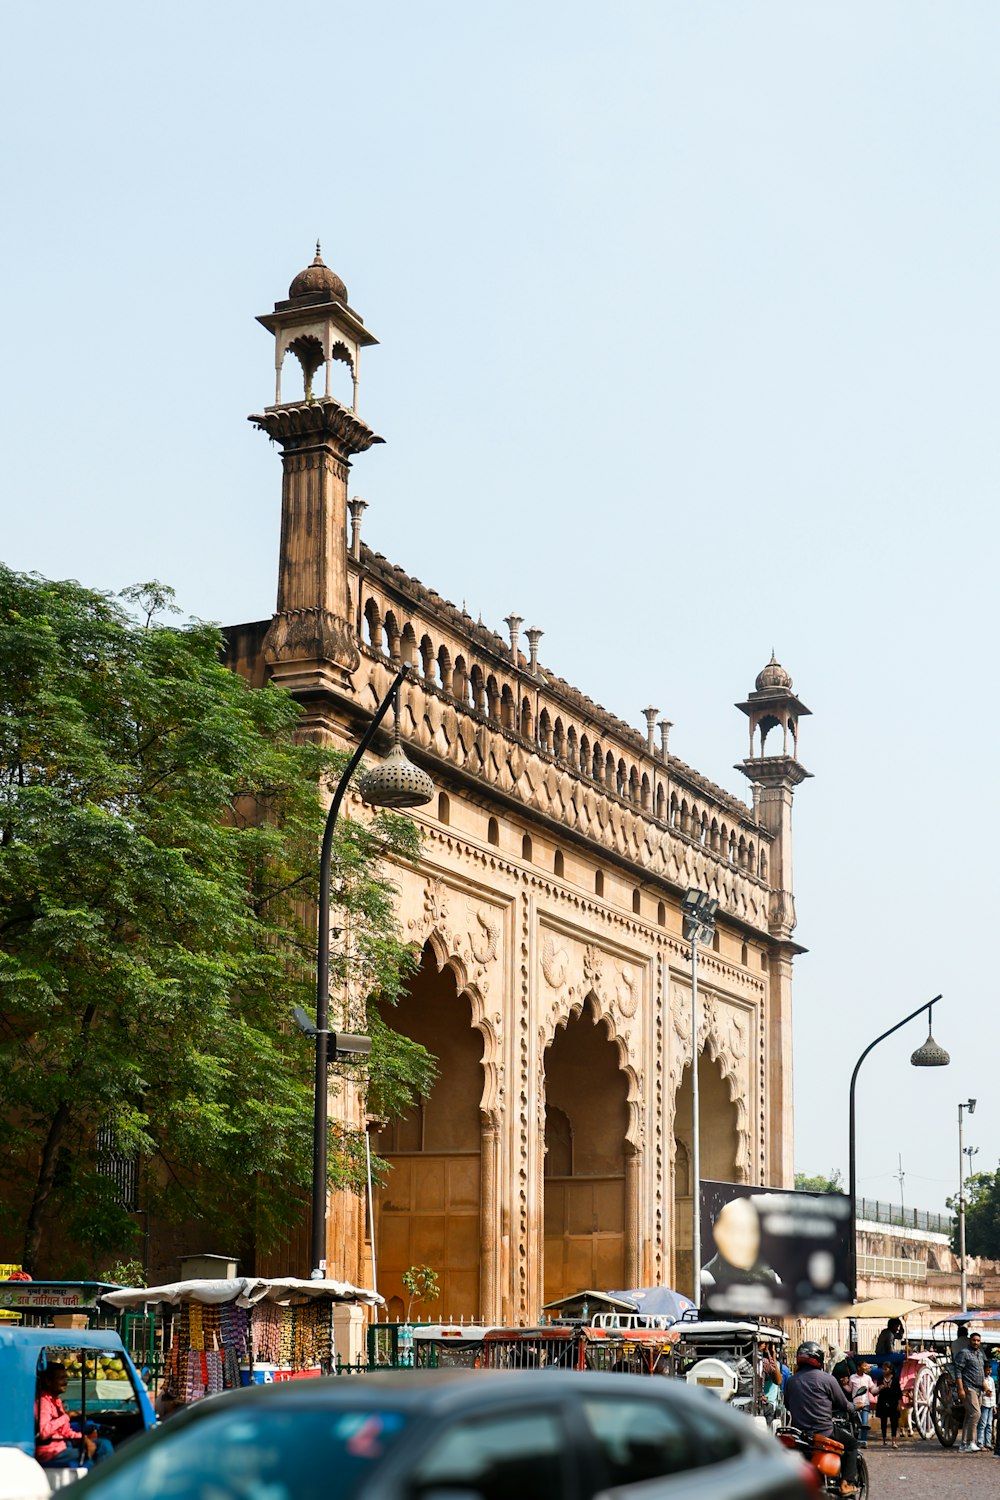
773 706
310 646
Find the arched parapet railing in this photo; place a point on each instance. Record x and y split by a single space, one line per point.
373 624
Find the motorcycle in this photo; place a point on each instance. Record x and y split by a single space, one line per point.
824 1455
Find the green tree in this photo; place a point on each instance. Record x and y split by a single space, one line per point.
421 1283
982 1215
820 1184
159 834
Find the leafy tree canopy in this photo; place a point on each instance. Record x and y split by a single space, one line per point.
834 1183
982 1215
159 835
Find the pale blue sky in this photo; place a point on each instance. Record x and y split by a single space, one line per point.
689 319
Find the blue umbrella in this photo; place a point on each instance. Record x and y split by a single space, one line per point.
656 1301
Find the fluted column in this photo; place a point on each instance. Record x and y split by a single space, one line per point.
489 1145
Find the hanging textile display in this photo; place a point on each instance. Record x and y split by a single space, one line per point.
236 1332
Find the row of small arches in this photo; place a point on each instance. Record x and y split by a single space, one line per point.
559 871
484 695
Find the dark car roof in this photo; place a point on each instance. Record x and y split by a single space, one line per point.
445 1391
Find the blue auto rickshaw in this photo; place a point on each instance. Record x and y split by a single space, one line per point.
102 1382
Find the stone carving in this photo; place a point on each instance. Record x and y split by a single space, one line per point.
311 634
555 962
593 967
484 937
627 996
436 903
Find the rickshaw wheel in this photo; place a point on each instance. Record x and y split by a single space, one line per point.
923 1397
945 1412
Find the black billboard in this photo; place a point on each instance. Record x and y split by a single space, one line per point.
769 1252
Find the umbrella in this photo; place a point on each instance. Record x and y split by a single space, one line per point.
657 1301
880 1307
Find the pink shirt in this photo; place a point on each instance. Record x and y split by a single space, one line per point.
861 1390
54 1427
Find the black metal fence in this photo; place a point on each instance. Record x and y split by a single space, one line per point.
879 1212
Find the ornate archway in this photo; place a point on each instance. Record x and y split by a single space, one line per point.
585 1174
430 1210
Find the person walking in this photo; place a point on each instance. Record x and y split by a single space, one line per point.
970 1371
862 1387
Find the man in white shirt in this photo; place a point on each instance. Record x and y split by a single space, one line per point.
988 1403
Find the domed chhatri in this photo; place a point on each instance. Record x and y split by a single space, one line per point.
773 676
316 280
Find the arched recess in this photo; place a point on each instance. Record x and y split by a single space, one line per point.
440 1190
721 1147
589 1177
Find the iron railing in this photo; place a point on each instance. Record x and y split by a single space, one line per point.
878 1212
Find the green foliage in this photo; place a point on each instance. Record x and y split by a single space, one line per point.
820 1184
422 1284
982 1215
125 1273
159 835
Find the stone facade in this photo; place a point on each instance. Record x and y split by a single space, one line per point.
555 984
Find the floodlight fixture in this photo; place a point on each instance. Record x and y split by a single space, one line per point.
348 1045
304 1022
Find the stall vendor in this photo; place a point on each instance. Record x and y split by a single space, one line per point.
54 1430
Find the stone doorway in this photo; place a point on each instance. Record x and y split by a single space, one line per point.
584 1181
428 1213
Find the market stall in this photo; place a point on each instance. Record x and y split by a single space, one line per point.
247 1330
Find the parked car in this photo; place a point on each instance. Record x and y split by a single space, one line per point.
460 1434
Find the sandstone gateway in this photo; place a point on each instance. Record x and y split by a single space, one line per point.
554 984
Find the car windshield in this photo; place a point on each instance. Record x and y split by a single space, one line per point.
282 1453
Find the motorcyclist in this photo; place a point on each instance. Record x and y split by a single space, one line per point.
813 1398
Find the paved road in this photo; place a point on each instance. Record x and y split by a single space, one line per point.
926 1471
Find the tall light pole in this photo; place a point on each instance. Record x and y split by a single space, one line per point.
964 1294
698 910
928 1055
396 783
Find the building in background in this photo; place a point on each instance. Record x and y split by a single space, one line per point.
554 984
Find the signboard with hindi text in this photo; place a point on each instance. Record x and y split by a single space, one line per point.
59 1296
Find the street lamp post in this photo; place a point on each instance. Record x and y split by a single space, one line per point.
396 783
929 1055
699 925
971 1107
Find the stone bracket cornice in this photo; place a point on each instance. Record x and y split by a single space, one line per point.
773 770
311 424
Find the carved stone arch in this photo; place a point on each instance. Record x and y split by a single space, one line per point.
559 1017
308 350
444 948
445 671
373 620
729 1067
339 350
735 1084
460 681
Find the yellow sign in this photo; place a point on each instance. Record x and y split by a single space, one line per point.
6 1272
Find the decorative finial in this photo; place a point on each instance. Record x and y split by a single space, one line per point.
318 255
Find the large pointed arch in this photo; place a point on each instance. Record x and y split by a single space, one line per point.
429 1210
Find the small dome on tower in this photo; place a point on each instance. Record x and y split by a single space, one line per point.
773 676
316 279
